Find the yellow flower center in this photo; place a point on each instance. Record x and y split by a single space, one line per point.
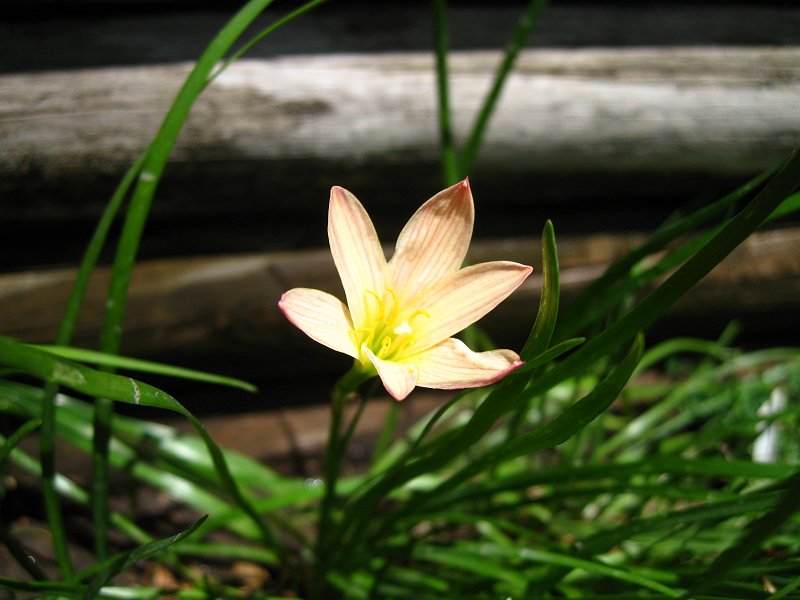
385 332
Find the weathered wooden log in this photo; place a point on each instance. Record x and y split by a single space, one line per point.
221 312
726 109
574 130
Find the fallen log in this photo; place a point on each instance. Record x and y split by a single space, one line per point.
221 312
635 130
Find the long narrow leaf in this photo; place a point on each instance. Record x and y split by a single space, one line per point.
752 539
48 367
499 401
144 366
651 308
567 424
127 248
124 561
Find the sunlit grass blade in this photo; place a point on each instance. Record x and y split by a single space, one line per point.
179 464
643 425
711 468
593 567
141 199
473 563
63 337
144 366
604 540
683 345
123 389
567 424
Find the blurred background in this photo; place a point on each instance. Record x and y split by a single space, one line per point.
617 115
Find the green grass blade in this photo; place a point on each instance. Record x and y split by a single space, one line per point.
127 248
641 316
560 429
756 533
550 355
521 34
450 170
41 587
124 561
95 383
605 540
575 318
144 366
247 46
542 332
786 590
13 441
789 206
498 403
63 337
69 489
595 567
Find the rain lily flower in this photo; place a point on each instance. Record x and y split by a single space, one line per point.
401 315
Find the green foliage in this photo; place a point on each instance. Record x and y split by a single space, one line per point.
576 476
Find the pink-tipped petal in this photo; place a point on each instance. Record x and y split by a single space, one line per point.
434 242
322 317
357 253
398 379
451 365
462 298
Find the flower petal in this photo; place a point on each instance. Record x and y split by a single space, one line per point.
461 299
434 242
357 253
451 365
321 316
398 378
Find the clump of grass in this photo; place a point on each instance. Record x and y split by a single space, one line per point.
573 477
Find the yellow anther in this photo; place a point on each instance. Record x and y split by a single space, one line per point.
403 329
386 344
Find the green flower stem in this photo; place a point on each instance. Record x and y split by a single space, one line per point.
337 446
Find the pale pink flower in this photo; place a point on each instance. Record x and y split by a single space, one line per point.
401 314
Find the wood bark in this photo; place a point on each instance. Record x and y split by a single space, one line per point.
222 310
636 131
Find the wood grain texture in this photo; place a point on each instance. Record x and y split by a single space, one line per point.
689 109
225 307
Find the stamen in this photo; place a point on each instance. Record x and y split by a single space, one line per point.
386 344
357 334
393 313
419 313
379 300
